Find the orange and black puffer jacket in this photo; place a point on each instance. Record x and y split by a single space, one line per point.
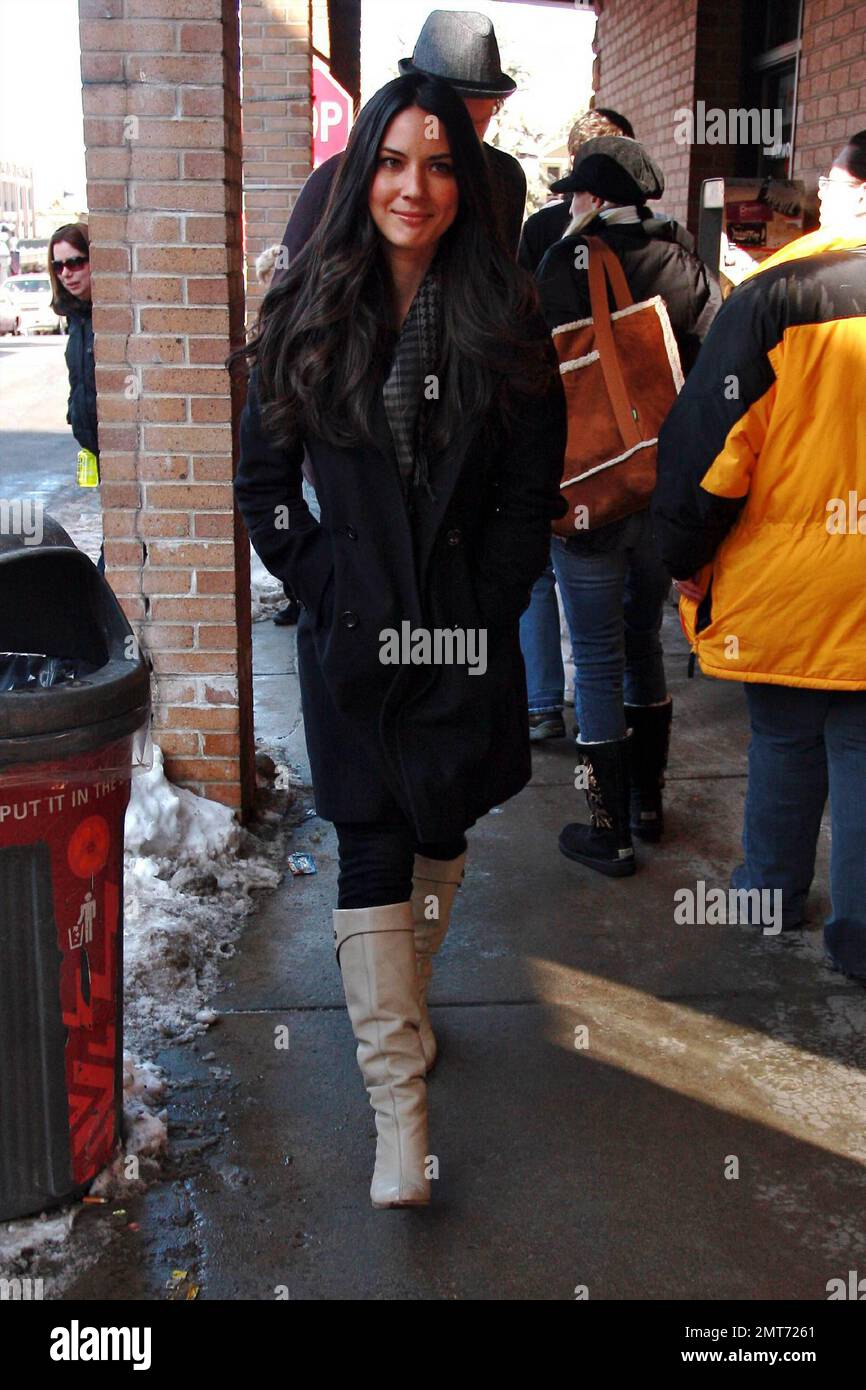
762 478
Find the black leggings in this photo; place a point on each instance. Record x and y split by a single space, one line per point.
376 859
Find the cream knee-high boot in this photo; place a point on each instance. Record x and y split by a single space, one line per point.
434 888
376 954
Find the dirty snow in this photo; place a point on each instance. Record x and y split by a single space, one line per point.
266 592
145 1131
190 874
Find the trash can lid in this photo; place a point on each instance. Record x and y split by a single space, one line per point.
54 601
53 534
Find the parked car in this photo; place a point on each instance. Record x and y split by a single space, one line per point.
10 316
31 297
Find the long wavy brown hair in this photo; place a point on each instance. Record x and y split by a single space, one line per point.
321 338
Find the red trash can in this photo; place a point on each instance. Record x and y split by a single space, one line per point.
74 704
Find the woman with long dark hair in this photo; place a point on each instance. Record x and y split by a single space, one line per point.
403 348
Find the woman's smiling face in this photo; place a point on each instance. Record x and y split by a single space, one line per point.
413 197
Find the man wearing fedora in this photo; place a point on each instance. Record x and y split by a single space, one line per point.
460 47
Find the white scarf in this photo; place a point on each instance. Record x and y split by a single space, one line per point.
612 213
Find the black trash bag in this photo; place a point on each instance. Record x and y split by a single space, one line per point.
29 670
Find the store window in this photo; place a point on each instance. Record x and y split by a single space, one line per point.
773 35
782 22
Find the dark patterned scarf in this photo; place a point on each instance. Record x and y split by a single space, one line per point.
416 357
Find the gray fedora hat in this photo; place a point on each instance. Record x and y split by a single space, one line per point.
460 47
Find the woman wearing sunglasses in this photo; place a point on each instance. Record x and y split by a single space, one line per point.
69 269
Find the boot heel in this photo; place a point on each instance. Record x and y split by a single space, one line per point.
401 1151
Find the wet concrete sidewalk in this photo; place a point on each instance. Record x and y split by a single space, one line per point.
710 1051
707 1141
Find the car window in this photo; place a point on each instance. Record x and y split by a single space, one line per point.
30 284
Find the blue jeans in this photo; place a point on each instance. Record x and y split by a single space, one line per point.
614 603
806 743
541 647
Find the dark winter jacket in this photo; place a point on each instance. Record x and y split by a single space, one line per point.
653 265
81 414
549 224
506 176
444 743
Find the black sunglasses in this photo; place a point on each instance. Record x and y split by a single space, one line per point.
74 263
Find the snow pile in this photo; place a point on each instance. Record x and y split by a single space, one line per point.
189 876
266 592
144 1127
163 821
145 1132
34 1247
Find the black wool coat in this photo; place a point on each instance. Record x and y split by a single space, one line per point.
444 744
81 412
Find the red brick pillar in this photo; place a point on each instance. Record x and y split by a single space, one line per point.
162 132
278 128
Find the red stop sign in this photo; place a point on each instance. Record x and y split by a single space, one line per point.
332 114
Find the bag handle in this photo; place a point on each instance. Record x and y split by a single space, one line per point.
604 266
611 262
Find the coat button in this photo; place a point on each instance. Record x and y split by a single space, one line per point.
351 533
454 537
349 619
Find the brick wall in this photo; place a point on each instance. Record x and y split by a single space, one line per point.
645 68
655 57
832 90
277 125
162 135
